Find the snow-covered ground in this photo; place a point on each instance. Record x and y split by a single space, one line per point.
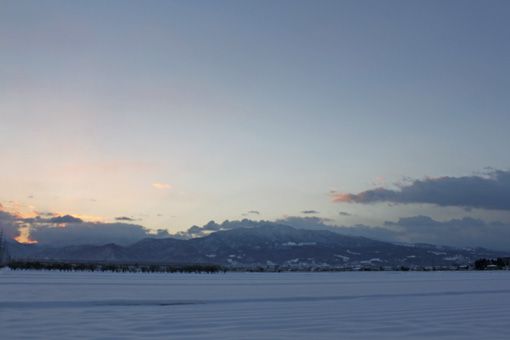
351 305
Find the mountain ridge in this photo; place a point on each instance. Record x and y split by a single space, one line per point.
264 245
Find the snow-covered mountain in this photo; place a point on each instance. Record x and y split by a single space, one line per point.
270 244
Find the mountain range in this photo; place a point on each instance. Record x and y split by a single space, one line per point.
265 245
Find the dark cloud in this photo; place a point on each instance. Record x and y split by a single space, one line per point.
161 233
124 219
9 225
250 212
308 222
197 231
463 232
310 212
344 213
65 219
491 191
297 222
69 230
45 214
88 233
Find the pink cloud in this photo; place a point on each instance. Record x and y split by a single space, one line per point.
161 186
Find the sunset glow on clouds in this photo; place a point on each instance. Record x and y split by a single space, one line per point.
188 118
161 186
491 191
24 236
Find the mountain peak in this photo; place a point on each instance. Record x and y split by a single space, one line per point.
267 243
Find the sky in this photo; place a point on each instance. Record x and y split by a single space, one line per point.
175 113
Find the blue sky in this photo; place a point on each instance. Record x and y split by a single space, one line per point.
178 112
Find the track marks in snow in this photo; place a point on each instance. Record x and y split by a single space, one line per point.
232 306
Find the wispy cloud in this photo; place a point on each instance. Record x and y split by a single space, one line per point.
161 186
124 219
250 212
65 219
310 212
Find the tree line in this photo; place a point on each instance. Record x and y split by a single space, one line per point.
498 263
117 268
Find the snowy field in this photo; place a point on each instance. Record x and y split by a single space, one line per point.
356 305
